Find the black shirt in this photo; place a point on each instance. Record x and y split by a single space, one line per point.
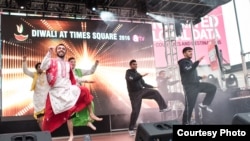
163 84
135 81
188 71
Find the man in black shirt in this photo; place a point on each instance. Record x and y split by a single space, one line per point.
163 82
192 85
138 90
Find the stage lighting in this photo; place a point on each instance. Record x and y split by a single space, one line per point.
22 4
91 4
107 16
213 80
232 81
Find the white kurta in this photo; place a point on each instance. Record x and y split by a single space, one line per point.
63 95
41 89
41 92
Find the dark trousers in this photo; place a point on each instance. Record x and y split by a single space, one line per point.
136 99
174 96
191 94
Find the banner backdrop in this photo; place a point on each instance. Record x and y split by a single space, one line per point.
212 55
203 33
113 44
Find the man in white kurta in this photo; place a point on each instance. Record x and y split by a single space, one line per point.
65 97
79 73
83 118
40 87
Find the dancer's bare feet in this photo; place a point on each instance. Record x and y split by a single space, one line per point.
40 122
89 124
71 138
94 117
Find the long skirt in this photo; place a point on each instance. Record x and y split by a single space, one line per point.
53 121
82 118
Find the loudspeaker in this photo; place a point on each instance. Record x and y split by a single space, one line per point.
26 136
158 131
241 119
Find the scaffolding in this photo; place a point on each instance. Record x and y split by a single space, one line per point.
172 68
171 54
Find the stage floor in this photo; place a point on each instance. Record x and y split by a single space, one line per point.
113 136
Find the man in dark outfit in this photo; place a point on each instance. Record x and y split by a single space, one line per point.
163 82
138 90
192 85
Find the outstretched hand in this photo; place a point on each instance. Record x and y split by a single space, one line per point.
201 58
204 77
97 61
89 81
144 74
51 49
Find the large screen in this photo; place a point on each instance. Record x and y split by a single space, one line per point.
200 37
114 44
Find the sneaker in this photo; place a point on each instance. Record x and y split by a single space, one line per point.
209 109
205 107
185 123
131 132
165 110
202 106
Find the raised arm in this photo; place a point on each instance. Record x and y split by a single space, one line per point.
25 68
90 71
161 81
46 60
173 82
83 80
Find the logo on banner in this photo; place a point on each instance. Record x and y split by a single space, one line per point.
137 38
20 36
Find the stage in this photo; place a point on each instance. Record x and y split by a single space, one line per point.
112 136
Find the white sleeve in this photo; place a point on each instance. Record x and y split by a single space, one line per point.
91 71
80 80
46 62
26 71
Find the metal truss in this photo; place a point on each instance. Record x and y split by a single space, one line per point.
182 10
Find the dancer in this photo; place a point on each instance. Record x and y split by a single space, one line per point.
82 118
65 97
192 85
163 82
40 87
138 90
79 73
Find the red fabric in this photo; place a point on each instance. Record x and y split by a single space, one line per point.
52 72
72 77
52 122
